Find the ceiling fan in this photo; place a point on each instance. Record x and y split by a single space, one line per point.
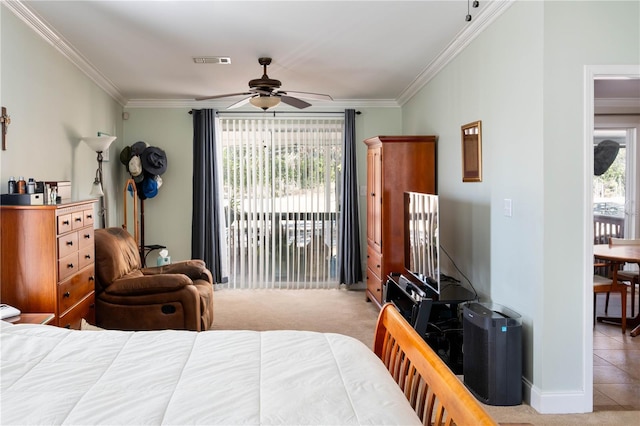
265 93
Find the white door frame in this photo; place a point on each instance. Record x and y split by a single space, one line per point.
590 73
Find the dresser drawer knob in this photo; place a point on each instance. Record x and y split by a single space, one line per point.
91 278
69 265
65 222
87 236
89 216
78 219
69 243
87 256
66 294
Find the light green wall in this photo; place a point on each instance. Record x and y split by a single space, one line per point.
600 33
523 77
167 216
52 105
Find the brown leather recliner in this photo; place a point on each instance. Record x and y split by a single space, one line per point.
129 297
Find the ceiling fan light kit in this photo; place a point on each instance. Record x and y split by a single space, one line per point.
265 93
264 102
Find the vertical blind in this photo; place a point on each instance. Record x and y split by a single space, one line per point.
281 180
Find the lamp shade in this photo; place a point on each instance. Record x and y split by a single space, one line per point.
99 143
96 189
265 101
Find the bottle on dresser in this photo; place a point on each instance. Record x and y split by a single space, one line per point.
31 186
21 186
11 189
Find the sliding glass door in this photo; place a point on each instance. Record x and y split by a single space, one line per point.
281 180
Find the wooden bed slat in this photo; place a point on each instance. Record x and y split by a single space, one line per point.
434 392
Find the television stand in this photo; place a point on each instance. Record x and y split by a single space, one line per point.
434 316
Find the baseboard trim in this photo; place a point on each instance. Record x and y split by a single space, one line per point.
556 402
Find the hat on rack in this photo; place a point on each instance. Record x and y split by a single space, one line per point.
154 160
138 148
125 155
135 168
150 187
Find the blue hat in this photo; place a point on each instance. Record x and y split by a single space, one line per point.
150 187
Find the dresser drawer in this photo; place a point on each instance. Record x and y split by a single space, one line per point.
73 290
85 237
374 262
77 220
67 244
67 266
85 309
88 217
64 223
85 256
374 286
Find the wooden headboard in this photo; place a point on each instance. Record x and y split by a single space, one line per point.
434 392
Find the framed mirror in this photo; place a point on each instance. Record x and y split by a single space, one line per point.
472 152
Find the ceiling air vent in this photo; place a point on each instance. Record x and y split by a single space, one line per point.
212 60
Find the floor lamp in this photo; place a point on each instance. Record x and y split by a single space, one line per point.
99 144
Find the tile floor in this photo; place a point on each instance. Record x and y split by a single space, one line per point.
616 362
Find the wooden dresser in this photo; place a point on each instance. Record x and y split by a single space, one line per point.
48 260
395 164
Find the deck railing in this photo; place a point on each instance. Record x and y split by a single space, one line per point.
279 250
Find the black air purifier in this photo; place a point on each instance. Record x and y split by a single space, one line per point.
492 353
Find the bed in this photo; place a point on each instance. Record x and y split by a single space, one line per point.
52 375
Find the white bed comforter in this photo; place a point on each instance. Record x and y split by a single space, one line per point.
51 375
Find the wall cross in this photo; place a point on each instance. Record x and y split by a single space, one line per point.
5 120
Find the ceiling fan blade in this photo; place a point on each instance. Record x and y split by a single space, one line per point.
307 95
240 102
204 98
294 102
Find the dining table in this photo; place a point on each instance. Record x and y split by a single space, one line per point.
619 254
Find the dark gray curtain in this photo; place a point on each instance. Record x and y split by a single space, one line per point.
349 264
206 216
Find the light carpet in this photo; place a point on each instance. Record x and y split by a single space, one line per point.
347 312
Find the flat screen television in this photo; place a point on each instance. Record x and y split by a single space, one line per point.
421 240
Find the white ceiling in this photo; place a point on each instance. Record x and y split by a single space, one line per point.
362 53
369 52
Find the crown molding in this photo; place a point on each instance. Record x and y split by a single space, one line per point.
57 41
491 11
222 104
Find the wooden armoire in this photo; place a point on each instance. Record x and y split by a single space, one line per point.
395 164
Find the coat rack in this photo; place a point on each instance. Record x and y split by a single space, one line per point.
130 191
138 221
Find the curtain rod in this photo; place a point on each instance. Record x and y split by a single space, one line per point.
623 114
278 112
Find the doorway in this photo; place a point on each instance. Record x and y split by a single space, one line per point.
597 113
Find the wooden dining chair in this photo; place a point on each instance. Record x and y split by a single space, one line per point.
629 278
604 284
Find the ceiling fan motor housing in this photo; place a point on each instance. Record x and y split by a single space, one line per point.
265 83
